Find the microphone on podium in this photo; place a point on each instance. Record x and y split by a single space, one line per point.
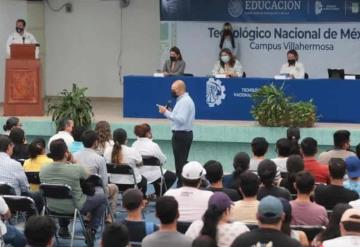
23 38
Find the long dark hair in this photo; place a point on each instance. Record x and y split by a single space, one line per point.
177 51
294 164
211 220
11 123
232 58
227 31
293 135
241 163
120 137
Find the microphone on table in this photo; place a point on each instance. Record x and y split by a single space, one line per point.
168 105
23 38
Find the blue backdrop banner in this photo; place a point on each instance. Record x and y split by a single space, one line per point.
260 10
230 99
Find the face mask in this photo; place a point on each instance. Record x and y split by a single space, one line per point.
172 59
173 94
225 59
19 30
291 61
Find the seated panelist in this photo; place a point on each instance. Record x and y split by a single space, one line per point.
175 65
227 65
293 68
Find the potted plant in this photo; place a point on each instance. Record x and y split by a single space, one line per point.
74 105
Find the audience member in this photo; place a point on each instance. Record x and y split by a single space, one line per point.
121 154
267 173
96 164
146 147
77 144
204 241
293 135
318 170
353 172
259 147
294 164
65 128
245 209
283 149
11 123
304 211
349 229
270 215
333 228
8 233
21 148
334 193
215 222
214 174
134 203
40 231
60 172
115 235
38 159
192 201
240 163
103 129
168 213
341 147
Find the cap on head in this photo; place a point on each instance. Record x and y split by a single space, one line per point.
193 170
351 215
353 166
270 207
220 200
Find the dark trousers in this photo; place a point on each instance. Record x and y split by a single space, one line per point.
142 185
181 143
169 178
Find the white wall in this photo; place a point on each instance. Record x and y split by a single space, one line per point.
10 11
84 46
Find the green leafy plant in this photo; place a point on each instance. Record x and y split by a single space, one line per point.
273 108
72 104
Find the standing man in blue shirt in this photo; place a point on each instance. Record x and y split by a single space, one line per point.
182 118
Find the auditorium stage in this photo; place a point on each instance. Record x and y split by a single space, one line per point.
213 139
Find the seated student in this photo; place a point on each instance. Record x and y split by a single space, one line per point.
334 193
115 235
40 231
103 129
283 149
11 123
270 216
61 172
175 65
214 174
167 210
245 209
259 147
304 211
267 173
294 164
192 201
216 222
38 159
240 164
21 148
353 172
227 65
77 144
134 203
65 129
293 68
293 135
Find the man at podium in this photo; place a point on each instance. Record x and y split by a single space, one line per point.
20 36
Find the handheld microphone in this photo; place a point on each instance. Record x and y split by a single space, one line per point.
23 38
168 105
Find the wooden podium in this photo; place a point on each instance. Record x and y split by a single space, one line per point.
23 86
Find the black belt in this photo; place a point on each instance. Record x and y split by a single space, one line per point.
182 131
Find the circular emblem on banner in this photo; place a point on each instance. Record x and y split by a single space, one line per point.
215 92
235 8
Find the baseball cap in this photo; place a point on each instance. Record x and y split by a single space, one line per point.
349 215
220 200
132 198
353 166
193 170
270 207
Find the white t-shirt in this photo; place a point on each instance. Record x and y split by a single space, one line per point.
355 204
146 146
226 233
66 136
297 70
281 163
348 241
192 202
132 158
16 38
3 210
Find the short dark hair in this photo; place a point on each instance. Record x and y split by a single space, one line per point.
77 132
22 21
167 209
36 147
190 182
5 141
341 137
58 149
63 123
293 52
337 168
294 163
305 182
132 199
115 235
249 183
267 172
39 230
17 136
309 146
10 123
89 138
214 171
259 146
283 146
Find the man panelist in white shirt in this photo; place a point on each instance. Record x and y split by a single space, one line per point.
182 118
20 36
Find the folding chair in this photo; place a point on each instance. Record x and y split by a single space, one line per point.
183 226
153 161
20 204
6 189
63 192
33 177
122 169
310 231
